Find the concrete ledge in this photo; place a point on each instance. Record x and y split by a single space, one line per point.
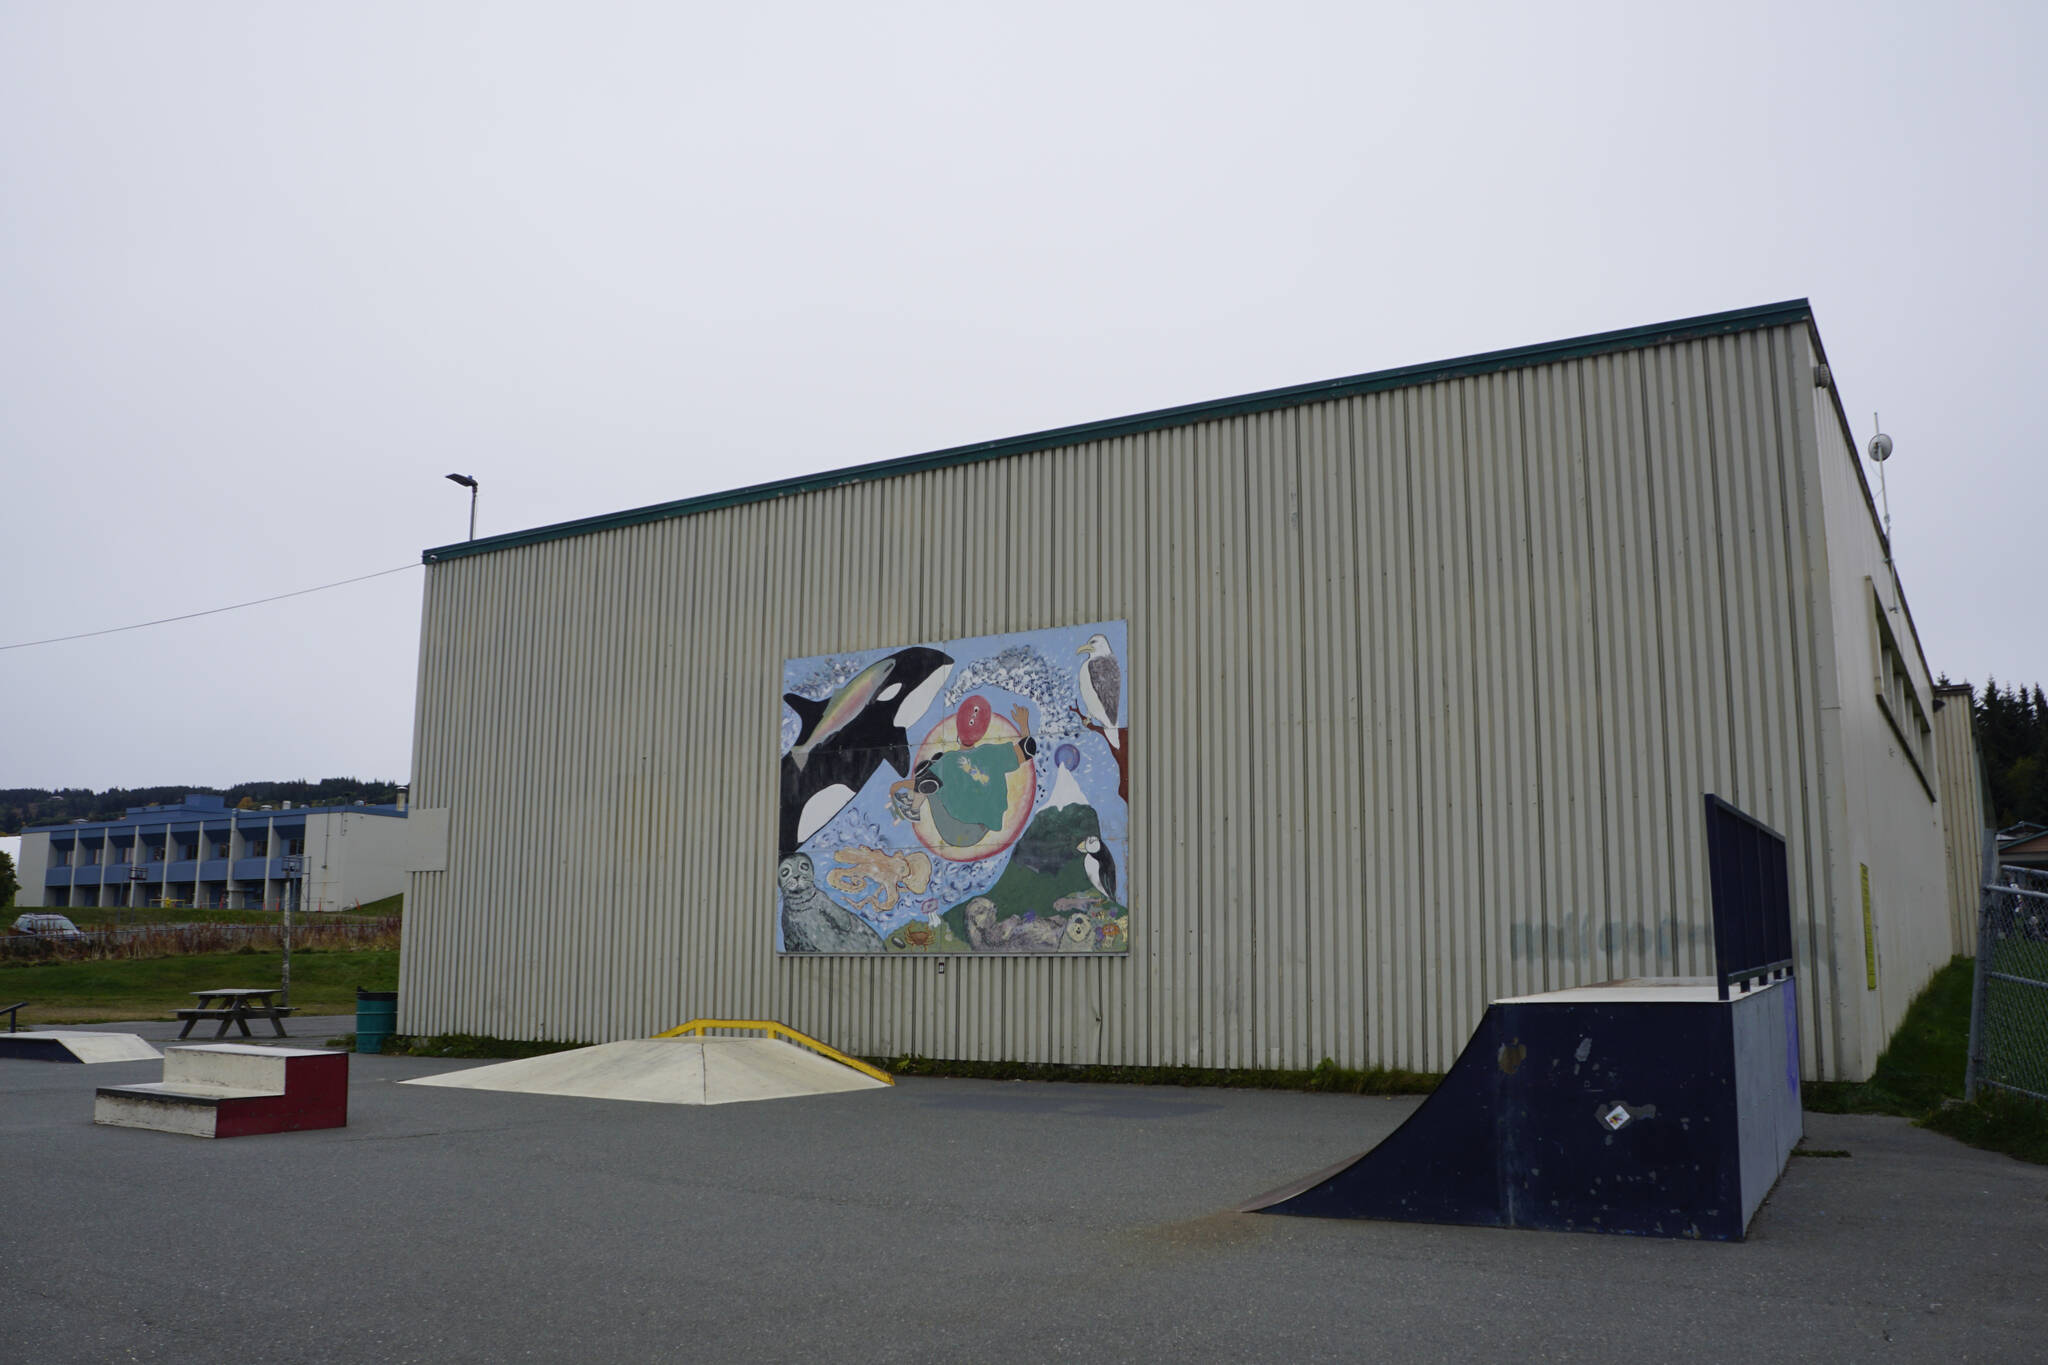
295 1089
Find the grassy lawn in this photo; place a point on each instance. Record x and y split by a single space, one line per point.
108 917
1920 1077
152 988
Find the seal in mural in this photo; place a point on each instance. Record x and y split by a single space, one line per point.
960 796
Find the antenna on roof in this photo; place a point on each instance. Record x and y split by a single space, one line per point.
1880 450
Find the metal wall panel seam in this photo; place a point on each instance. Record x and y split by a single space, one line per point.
1540 974
1499 807
1608 609
1407 964
1443 768
1495 774
1463 801
1653 879
1793 627
1635 858
1841 1051
1302 825
1811 613
1353 965
1678 628
1792 725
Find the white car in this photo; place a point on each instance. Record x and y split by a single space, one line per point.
46 926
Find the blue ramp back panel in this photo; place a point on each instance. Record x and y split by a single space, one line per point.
1752 897
35 1047
1583 1112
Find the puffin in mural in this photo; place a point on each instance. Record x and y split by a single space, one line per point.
1101 685
1101 868
846 737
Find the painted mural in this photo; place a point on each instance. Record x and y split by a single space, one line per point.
964 796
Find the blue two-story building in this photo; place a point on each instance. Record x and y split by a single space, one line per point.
198 852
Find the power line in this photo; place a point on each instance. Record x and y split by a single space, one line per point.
211 611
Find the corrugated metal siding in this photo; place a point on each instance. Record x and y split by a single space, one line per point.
1890 819
1424 685
1962 827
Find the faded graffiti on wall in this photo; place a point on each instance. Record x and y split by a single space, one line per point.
961 796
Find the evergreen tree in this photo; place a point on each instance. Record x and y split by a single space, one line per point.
24 806
2012 729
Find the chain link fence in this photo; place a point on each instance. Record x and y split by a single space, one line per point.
2009 1014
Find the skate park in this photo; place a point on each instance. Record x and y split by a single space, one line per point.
933 1219
652 1198
1136 826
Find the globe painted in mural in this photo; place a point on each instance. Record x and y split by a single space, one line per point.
976 799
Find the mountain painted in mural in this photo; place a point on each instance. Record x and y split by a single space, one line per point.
1046 886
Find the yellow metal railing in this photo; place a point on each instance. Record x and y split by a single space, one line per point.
784 1032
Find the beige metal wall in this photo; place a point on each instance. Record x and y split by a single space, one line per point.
1963 824
30 869
1886 786
352 858
1425 687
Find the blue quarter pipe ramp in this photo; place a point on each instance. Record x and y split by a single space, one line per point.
1646 1107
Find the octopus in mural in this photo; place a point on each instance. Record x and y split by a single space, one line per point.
888 871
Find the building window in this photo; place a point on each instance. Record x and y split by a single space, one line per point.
1898 698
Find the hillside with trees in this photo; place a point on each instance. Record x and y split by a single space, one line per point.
24 806
2012 729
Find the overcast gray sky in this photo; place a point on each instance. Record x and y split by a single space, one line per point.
267 272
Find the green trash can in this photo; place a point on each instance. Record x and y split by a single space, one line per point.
376 1018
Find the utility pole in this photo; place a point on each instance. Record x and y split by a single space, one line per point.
293 868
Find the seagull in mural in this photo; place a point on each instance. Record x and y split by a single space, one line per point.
1101 868
1102 685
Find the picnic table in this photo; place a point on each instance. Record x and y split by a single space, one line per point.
238 1005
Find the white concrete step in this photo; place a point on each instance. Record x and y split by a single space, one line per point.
233 1090
190 1109
238 1065
194 1090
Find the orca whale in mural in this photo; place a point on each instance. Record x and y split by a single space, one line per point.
845 737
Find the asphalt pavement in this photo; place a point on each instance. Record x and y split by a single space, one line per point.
937 1220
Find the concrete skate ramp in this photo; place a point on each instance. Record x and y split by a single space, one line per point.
1652 1108
668 1071
58 1045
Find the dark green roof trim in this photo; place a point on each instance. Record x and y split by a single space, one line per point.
1491 362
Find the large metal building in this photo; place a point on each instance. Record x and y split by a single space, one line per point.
1425 674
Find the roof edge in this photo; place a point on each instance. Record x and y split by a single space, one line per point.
1267 400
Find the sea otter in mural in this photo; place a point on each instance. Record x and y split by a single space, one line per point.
993 827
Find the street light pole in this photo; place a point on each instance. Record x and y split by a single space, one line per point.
468 481
292 868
